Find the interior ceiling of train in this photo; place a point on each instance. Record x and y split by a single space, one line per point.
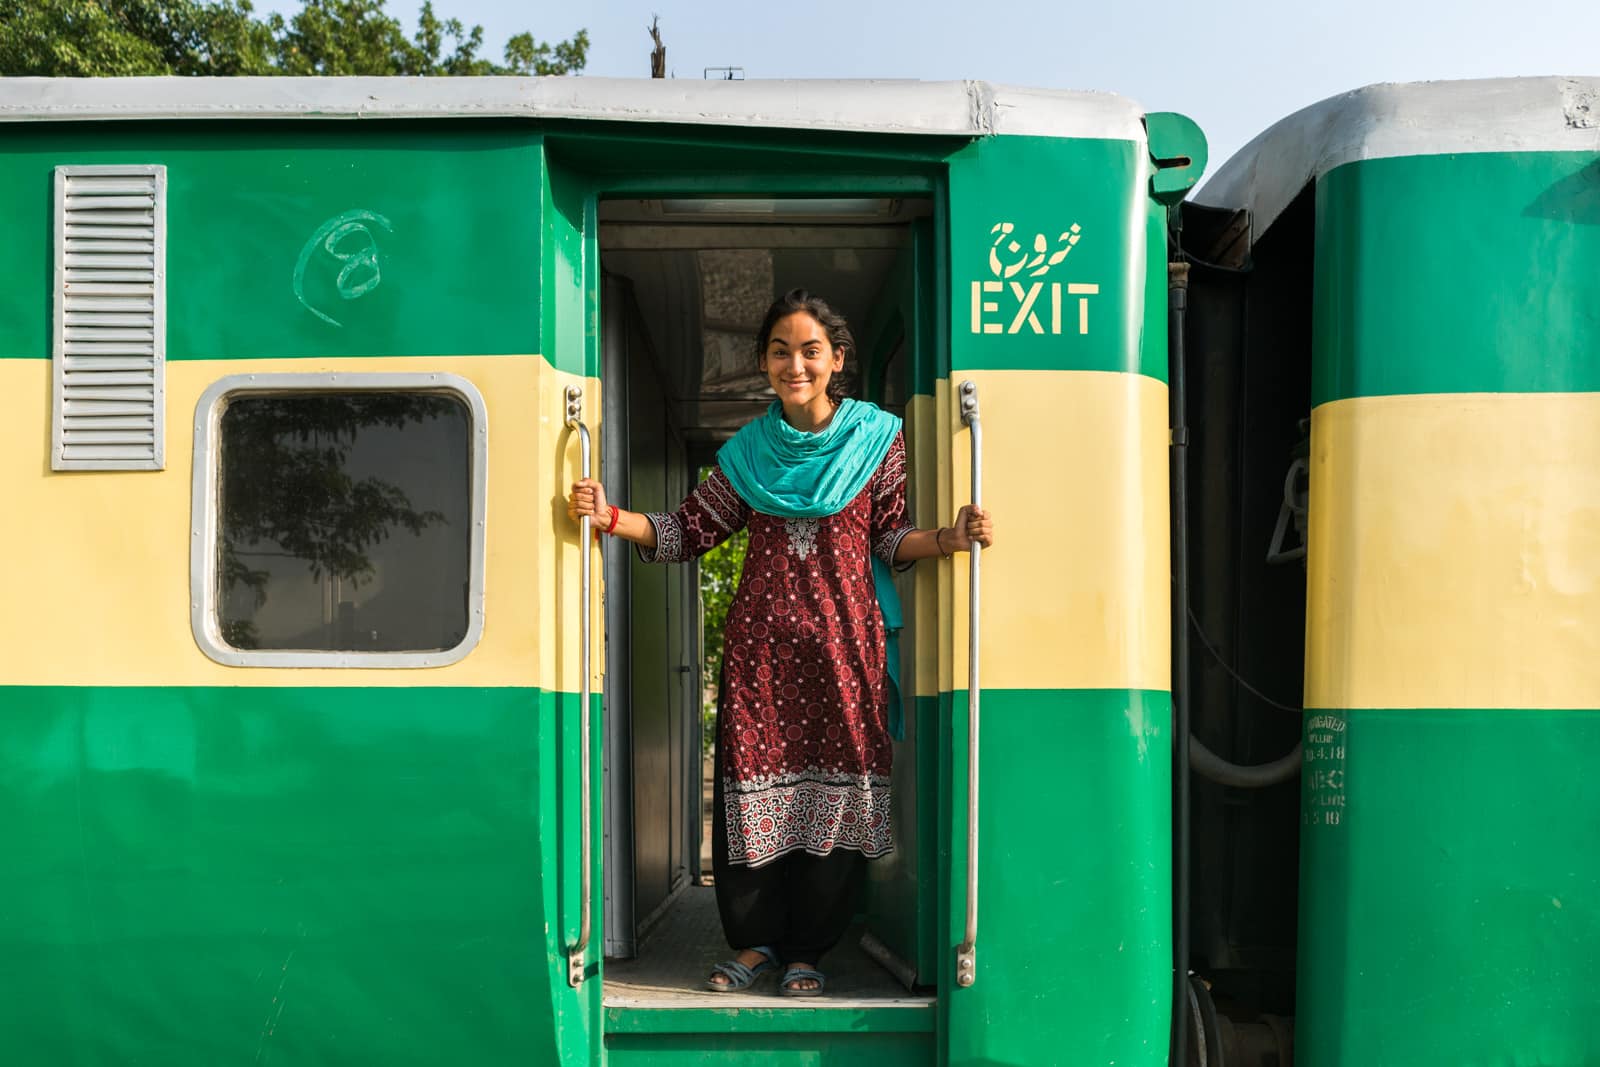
704 271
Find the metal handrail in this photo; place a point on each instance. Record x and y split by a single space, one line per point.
575 955
966 953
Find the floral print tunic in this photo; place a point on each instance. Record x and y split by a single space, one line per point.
803 722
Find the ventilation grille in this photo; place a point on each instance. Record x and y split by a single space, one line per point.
110 318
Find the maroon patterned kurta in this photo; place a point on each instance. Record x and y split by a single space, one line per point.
803 721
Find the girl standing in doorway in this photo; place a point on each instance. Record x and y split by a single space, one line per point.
803 746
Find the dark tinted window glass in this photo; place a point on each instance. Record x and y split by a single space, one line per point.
345 522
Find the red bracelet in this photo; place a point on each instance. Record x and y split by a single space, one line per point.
615 517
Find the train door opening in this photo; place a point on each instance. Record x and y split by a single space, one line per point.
684 286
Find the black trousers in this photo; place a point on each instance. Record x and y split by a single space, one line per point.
798 904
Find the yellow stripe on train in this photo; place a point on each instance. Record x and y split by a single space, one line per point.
102 559
1074 594
1454 552
1076 591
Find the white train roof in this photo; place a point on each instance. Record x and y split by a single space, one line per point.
1405 119
967 108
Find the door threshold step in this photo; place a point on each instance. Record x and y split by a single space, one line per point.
729 1013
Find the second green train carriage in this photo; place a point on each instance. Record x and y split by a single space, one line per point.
1421 262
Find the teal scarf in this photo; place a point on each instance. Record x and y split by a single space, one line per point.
779 470
786 472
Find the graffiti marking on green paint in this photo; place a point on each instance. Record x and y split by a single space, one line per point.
359 273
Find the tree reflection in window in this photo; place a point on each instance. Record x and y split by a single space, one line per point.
344 522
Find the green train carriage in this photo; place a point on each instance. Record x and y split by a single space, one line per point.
1392 343
291 759
365 841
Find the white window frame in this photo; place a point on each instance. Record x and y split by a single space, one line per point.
205 504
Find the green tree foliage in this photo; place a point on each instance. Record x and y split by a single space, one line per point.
104 38
87 38
719 577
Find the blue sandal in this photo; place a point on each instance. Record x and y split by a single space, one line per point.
800 974
740 977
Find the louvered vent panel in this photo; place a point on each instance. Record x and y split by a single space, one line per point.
110 318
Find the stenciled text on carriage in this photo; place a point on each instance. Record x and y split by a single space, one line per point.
1019 297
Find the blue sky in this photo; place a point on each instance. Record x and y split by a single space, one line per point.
1234 66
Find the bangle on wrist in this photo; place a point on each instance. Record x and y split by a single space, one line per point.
938 541
616 515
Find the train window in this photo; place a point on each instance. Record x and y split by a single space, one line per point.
338 520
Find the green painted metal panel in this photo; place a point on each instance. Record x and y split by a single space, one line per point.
1178 153
1153 329
1457 273
570 329
668 160
1028 292
257 876
771 1050
304 239
1450 889
1074 952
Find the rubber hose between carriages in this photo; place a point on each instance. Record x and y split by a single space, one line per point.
1207 764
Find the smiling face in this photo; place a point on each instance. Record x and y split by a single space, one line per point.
799 361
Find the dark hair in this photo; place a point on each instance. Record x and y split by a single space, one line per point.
832 323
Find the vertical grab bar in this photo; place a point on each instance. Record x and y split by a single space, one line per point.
966 964
575 955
